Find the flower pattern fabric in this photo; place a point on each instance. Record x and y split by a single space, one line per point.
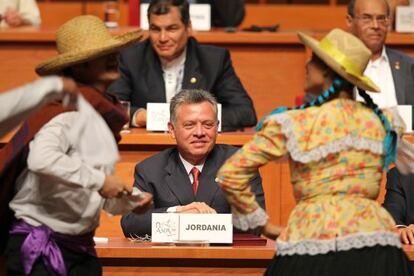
336 157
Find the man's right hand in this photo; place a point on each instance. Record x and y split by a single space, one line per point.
114 186
196 208
407 234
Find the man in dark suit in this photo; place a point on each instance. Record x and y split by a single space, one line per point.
391 70
171 175
171 60
399 201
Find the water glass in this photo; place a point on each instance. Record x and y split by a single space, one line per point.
127 106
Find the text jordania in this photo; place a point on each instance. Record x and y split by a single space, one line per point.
206 227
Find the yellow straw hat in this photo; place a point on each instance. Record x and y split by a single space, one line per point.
345 54
81 39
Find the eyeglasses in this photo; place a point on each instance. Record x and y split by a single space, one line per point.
369 18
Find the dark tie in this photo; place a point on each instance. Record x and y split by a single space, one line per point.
196 173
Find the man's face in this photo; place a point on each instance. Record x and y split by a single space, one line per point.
100 71
370 23
168 34
195 131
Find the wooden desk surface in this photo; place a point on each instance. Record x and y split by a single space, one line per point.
123 248
143 137
122 257
218 36
118 247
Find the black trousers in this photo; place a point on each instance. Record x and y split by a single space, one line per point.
76 263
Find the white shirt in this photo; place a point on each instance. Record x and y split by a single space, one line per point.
379 71
15 104
173 75
27 9
58 189
188 167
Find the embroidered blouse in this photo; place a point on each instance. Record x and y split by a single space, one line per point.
336 157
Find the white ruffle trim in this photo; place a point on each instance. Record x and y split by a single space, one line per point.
354 241
250 221
316 154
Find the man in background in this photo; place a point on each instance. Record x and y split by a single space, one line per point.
171 60
391 70
17 13
182 179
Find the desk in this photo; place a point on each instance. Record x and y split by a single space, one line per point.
270 65
122 257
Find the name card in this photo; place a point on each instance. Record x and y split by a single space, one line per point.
200 15
165 227
158 116
214 228
405 112
404 19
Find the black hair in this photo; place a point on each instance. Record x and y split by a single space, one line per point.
160 7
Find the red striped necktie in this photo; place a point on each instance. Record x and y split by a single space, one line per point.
196 173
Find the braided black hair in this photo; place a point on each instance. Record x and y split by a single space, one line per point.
390 140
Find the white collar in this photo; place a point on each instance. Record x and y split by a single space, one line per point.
383 57
188 166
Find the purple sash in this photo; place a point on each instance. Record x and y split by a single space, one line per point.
41 241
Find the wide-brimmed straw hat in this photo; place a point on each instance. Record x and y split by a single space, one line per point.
81 39
345 54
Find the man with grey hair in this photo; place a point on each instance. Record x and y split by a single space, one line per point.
391 70
182 178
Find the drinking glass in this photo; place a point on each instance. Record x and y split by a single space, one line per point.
127 106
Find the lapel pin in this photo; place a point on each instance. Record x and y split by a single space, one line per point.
397 65
193 80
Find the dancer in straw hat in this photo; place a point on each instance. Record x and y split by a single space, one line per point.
67 178
337 148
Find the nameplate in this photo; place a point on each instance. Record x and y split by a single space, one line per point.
404 19
212 228
405 112
200 15
158 116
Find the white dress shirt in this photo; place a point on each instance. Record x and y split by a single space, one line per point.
173 74
188 167
58 189
379 71
27 9
17 103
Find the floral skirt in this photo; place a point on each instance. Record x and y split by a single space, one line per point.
368 261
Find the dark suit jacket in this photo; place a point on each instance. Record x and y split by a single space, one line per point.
402 67
399 197
165 177
142 80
